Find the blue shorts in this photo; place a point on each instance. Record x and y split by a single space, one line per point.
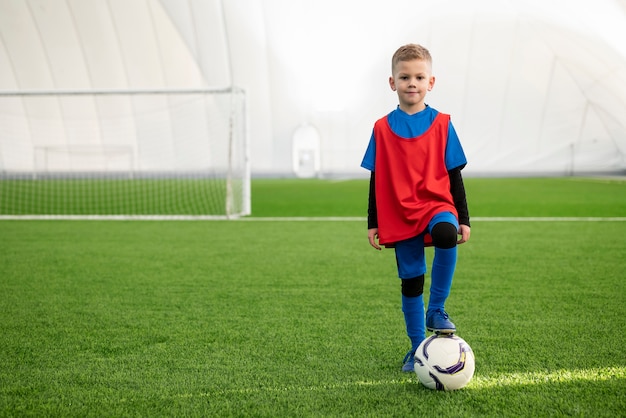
410 253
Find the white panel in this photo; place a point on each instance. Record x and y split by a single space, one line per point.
136 31
212 43
45 119
58 35
189 124
81 117
523 102
248 44
482 81
182 17
24 48
179 66
8 78
10 126
138 42
563 113
594 146
99 43
77 116
201 27
117 125
153 141
16 150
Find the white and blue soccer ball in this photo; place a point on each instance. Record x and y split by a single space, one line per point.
444 362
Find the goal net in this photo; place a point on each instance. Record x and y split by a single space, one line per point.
128 154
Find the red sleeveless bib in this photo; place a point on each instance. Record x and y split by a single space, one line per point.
412 183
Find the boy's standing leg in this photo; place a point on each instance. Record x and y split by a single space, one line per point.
413 310
411 268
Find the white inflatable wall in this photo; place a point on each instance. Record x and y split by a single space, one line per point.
533 87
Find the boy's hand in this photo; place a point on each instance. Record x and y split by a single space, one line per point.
464 232
372 236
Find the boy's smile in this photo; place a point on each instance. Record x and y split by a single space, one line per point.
412 80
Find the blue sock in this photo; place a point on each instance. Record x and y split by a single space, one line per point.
413 308
441 274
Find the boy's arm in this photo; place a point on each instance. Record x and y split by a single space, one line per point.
372 213
457 189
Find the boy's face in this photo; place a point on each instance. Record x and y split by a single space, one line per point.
412 80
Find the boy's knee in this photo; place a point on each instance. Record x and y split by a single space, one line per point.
413 287
444 235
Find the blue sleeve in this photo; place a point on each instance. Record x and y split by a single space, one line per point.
369 159
455 157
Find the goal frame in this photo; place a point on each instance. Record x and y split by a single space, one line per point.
246 178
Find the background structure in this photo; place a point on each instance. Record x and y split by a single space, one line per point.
533 87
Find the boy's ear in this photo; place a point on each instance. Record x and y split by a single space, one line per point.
392 83
431 82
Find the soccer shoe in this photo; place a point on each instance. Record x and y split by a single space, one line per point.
408 364
437 321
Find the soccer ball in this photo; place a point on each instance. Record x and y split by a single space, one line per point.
444 362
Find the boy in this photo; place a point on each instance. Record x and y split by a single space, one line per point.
416 195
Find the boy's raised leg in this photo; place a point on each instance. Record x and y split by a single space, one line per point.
444 264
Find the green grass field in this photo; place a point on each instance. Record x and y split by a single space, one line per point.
298 318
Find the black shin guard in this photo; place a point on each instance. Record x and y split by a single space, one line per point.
413 287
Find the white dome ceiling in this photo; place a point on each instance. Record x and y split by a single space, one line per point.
533 87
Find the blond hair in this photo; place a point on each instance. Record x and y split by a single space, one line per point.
410 52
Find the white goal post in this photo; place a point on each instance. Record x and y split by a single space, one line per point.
123 154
